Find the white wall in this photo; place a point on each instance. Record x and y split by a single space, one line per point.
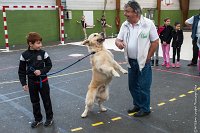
90 4
143 3
27 2
174 6
194 5
99 4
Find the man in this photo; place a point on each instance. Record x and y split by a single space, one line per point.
195 23
139 38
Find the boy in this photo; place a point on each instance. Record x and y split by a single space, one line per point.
36 63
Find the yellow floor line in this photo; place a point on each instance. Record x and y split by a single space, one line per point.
76 129
160 104
117 118
97 124
198 88
131 114
190 92
182 95
173 99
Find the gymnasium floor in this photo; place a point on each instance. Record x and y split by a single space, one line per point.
173 99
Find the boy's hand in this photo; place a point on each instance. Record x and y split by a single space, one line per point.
37 72
25 88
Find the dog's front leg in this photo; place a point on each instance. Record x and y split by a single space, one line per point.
109 71
118 67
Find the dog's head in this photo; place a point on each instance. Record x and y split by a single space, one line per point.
94 42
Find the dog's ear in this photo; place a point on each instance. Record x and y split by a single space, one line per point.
85 42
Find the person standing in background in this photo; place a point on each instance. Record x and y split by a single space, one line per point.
84 25
177 35
165 37
104 24
195 23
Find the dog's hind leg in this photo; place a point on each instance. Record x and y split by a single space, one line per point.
103 95
89 101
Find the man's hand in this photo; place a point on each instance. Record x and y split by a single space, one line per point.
25 88
120 44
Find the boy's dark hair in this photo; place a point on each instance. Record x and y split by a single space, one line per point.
176 23
33 37
166 19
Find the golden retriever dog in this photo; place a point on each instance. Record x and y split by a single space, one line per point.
104 67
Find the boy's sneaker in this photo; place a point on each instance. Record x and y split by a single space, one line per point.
48 123
36 123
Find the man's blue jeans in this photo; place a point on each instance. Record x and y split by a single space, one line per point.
139 84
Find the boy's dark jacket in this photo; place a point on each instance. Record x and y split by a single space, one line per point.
166 34
177 38
33 60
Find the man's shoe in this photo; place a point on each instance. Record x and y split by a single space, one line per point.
135 109
141 114
48 123
36 123
157 63
152 62
192 64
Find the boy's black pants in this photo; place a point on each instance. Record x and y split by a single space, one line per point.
34 91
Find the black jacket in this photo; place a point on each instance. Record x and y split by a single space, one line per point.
177 38
166 34
32 60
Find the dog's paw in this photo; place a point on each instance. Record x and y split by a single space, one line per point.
115 74
103 109
124 71
84 115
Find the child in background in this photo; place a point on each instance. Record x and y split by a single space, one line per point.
165 37
177 35
104 25
84 25
155 57
33 63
